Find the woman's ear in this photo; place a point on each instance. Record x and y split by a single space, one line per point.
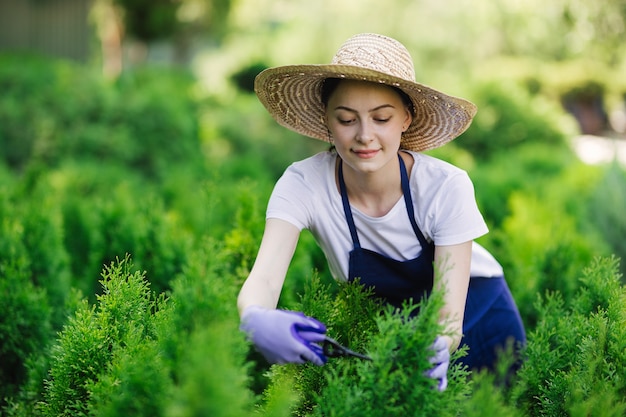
407 121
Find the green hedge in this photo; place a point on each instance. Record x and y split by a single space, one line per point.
96 174
508 116
53 111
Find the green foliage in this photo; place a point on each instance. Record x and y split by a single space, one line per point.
241 141
575 357
31 240
488 398
244 78
149 20
136 383
95 171
95 338
133 354
55 111
539 252
43 241
530 169
606 212
25 325
137 226
213 381
348 312
204 349
393 383
508 117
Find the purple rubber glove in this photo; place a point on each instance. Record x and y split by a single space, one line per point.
441 362
283 336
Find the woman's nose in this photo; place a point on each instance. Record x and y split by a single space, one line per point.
365 133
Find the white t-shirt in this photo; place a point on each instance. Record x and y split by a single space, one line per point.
307 196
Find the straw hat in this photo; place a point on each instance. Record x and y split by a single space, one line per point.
292 93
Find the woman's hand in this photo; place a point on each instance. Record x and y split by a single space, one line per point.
441 362
284 336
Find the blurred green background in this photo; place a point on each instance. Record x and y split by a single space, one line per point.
129 131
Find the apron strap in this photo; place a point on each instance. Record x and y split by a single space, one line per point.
346 207
406 191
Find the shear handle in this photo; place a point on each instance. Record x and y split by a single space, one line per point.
334 349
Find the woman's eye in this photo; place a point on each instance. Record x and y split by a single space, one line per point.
381 120
346 121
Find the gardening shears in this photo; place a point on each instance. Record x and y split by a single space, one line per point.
333 349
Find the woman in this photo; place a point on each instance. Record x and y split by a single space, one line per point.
379 209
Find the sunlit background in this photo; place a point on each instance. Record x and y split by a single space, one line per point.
555 46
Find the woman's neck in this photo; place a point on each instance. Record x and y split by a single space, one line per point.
376 193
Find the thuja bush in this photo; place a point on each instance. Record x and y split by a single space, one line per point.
394 382
48 259
31 235
348 312
244 141
25 326
102 212
509 116
576 356
201 343
606 212
52 111
530 168
133 353
99 337
139 225
539 252
243 213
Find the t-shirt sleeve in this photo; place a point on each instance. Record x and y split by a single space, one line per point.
291 199
457 217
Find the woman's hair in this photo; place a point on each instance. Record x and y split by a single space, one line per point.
329 85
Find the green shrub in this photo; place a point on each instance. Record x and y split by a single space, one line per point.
48 259
539 251
95 336
25 325
134 354
31 237
508 116
203 347
488 398
576 356
26 83
136 383
242 140
606 212
212 378
531 168
84 241
393 383
136 225
52 111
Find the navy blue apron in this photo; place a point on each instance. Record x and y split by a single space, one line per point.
392 280
491 317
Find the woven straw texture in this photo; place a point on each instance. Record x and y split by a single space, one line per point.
292 93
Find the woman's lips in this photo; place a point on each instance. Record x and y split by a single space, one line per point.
366 154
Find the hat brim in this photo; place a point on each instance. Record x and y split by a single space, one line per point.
292 96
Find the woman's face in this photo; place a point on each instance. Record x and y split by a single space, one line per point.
366 121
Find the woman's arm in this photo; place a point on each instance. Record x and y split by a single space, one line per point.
452 274
265 282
